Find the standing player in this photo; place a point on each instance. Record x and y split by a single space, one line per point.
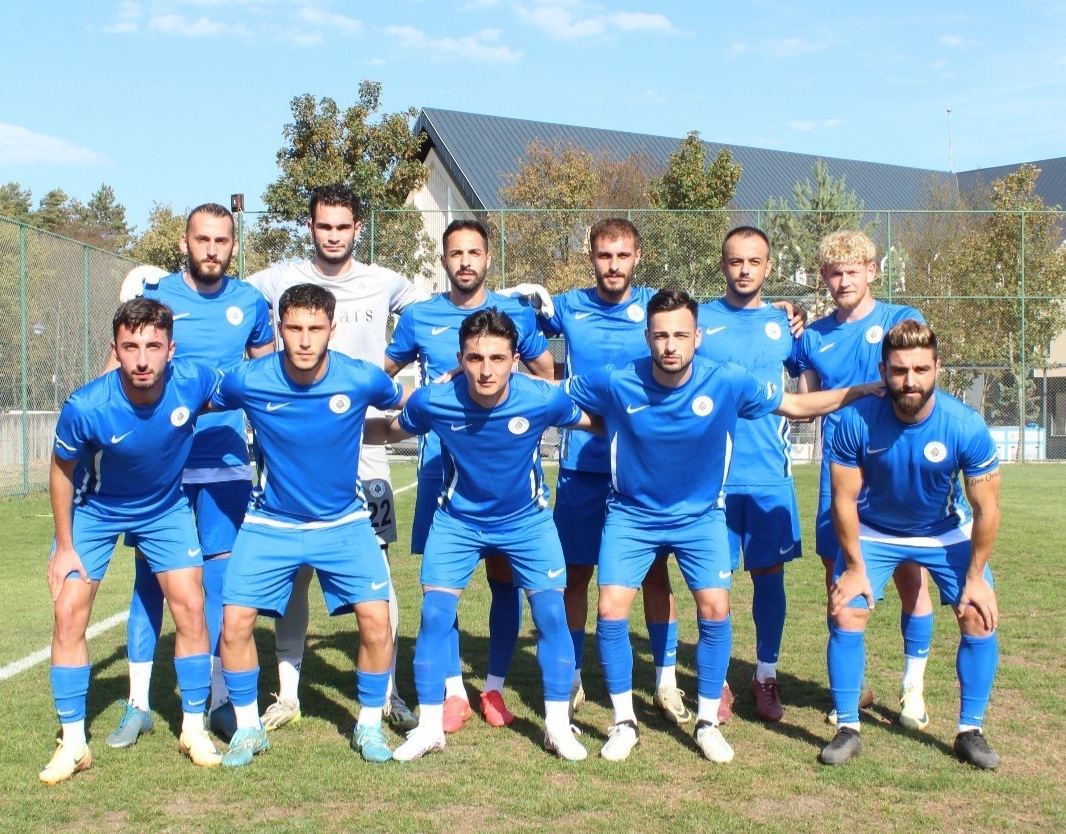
604 325
670 421
761 514
307 406
428 332
120 446
490 422
895 467
844 349
216 320
366 295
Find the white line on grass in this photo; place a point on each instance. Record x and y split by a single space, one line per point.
42 655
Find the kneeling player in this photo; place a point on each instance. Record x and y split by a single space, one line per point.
895 467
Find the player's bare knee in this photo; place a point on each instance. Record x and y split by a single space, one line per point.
852 619
971 623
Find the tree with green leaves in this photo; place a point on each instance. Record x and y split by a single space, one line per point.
817 206
102 221
683 249
376 155
15 202
159 243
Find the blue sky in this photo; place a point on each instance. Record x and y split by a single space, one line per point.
184 101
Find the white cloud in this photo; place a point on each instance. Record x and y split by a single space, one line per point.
791 47
642 22
19 145
560 19
953 40
127 19
176 24
339 22
806 125
482 46
735 50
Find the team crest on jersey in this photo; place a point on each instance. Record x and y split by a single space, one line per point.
875 334
339 403
935 451
702 406
773 330
179 416
376 488
234 315
635 312
518 425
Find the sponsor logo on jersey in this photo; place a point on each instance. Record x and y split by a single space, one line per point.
579 316
702 406
339 403
875 334
177 316
436 331
460 428
635 312
824 348
633 409
712 330
772 330
870 451
518 425
179 416
115 438
935 451
234 315
272 407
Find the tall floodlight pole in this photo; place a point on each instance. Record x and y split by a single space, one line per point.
951 164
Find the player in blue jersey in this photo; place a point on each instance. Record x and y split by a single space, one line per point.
495 500
217 319
307 405
843 349
761 514
670 422
895 467
428 332
604 325
120 446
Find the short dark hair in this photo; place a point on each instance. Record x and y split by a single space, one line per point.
215 210
467 225
488 322
139 313
666 301
613 228
334 194
906 335
745 231
307 297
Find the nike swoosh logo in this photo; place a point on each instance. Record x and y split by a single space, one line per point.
870 451
120 437
788 549
199 703
630 409
460 428
580 316
436 331
824 348
672 653
377 586
724 574
712 330
177 316
922 652
552 574
193 553
276 406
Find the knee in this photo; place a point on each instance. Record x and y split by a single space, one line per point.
852 619
971 624
237 626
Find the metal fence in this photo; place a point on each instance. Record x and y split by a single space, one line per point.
992 284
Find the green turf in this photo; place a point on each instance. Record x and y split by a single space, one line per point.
499 780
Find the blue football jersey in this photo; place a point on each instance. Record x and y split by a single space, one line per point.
597 334
492 471
760 341
308 435
671 447
130 457
911 471
848 353
429 333
216 330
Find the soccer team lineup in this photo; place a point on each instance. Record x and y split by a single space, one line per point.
154 453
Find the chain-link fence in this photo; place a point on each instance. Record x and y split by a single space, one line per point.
992 284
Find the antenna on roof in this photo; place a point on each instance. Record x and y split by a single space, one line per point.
951 165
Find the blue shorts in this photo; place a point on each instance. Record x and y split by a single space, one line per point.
580 513
631 542
219 508
763 524
946 563
425 506
168 541
531 545
347 557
